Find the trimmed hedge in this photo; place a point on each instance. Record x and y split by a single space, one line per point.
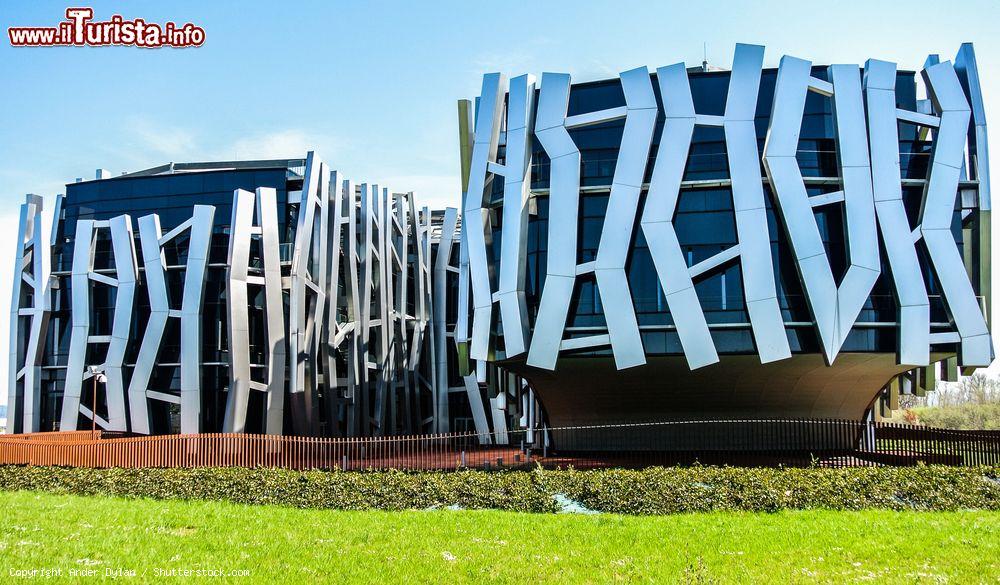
649 491
390 490
701 489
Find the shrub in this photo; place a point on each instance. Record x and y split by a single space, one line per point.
695 489
964 416
648 491
389 490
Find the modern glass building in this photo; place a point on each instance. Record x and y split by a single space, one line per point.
252 296
171 194
803 241
806 241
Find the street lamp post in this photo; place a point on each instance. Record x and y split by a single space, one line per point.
96 375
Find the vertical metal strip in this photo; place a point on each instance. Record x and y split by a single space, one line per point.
516 172
913 315
476 214
937 211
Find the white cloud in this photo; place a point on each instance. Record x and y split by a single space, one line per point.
173 142
525 59
151 143
291 143
17 182
511 62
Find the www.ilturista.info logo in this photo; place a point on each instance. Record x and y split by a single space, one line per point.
80 30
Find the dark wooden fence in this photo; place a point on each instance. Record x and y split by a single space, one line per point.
832 443
789 442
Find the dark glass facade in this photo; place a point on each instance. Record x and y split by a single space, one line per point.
705 221
172 197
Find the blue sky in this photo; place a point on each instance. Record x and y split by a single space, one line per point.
371 86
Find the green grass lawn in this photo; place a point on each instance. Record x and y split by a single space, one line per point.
43 531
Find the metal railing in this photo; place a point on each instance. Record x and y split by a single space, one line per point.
793 442
778 442
417 452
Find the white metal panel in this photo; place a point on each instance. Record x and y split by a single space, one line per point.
476 219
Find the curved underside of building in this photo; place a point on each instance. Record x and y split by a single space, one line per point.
591 391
